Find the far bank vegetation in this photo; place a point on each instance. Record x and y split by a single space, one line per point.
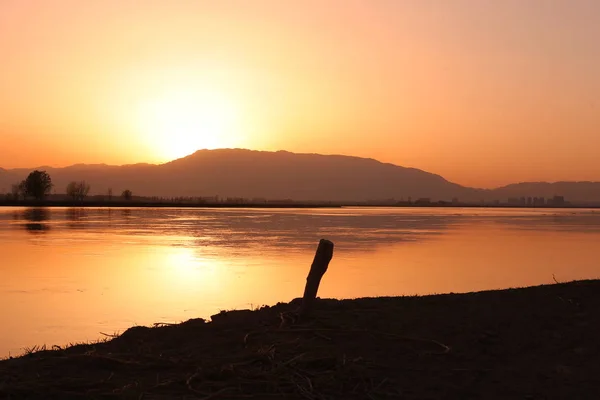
38 186
78 190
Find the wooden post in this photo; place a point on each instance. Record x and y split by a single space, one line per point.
317 270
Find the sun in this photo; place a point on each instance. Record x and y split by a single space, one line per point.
177 124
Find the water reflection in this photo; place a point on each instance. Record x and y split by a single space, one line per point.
241 231
76 217
565 221
36 217
103 270
353 230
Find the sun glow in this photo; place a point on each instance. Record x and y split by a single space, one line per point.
184 268
179 123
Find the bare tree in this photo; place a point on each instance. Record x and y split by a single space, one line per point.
127 194
15 191
18 190
110 194
78 190
72 189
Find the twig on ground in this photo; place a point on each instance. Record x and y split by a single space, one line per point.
112 336
161 324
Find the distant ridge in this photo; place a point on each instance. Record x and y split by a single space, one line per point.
285 175
580 191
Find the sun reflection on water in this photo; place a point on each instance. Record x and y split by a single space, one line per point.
186 270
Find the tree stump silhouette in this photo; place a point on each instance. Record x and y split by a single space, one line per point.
318 268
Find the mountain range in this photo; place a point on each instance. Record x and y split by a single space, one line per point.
285 175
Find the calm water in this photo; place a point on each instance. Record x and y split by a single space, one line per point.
66 275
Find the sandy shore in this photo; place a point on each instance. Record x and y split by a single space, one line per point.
533 343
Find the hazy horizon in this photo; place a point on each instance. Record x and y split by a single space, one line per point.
483 93
269 151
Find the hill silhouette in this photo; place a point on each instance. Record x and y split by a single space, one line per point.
285 175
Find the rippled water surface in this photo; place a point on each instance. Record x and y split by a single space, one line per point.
71 274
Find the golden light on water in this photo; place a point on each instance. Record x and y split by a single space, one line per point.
107 278
183 269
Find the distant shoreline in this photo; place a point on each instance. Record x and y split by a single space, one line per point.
147 204
152 204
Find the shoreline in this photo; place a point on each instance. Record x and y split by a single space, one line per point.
136 204
143 204
534 342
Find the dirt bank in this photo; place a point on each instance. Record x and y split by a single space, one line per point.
533 343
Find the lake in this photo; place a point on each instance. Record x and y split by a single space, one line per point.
74 274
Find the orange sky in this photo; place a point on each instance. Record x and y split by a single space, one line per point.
482 92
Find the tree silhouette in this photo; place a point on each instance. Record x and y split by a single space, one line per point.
16 190
110 194
78 190
22 189
72 189
38 184
127 195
